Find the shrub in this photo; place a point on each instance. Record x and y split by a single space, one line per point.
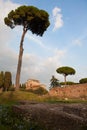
67 83
39 91
22 87
11 88
84 80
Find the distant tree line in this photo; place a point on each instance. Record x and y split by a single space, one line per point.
5 80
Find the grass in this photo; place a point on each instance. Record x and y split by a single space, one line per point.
12 97
2 127
7 99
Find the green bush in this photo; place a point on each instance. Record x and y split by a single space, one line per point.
39 91
67 83
12 88
84 80
22 87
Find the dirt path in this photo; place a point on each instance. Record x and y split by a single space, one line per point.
55 116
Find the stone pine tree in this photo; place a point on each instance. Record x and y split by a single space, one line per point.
65 71
31 18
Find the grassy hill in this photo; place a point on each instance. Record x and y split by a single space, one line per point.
12 97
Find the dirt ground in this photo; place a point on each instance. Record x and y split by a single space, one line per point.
55 116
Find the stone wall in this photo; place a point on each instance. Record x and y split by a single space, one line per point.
70 91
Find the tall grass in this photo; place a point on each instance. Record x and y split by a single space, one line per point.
11 97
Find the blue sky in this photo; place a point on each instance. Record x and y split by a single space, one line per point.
63 44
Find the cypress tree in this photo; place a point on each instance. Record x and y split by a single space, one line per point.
1 79
7 80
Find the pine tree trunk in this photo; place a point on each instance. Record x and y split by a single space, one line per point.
17 80
65 79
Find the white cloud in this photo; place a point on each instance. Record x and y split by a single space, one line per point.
5 32
33 66
42 69
8 56
35 40
56 10
57 16
78 42
5 7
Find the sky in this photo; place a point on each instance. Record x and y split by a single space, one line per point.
64 43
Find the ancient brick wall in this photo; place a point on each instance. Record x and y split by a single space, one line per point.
70 91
